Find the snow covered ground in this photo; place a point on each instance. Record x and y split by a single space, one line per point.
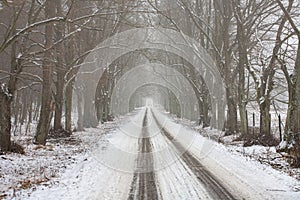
246 178
107 171
262 154
43 167
99 164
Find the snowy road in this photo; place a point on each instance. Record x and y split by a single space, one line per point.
151 157
213 186
144 184
197 184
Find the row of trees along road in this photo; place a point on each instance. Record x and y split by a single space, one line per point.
256 45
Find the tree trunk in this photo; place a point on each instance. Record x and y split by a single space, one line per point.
5 121
89 117
265 120
68 109
47 103
60 70
231 124
29 119
37 105
79 110
242 65
293 134
222 40
16 109
24 109
69 56
295 98
59 102
6 100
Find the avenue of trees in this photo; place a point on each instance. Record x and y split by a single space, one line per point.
255 44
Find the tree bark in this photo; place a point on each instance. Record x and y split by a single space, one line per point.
265 119
30 110
223 17
47 103
69 57
294 106
89 117
24 109
79 109
242 65
231 124
68 110
60 71
5 121
6 99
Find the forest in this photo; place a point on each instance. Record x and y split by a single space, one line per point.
255 45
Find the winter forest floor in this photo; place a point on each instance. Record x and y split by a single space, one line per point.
104 163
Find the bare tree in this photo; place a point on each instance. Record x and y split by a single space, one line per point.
22 44
292 136
60 69
264 83
47 106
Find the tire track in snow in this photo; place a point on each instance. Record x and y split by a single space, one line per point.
143 185
210 182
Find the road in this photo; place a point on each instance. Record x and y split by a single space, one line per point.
198 183
144 184
150 157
